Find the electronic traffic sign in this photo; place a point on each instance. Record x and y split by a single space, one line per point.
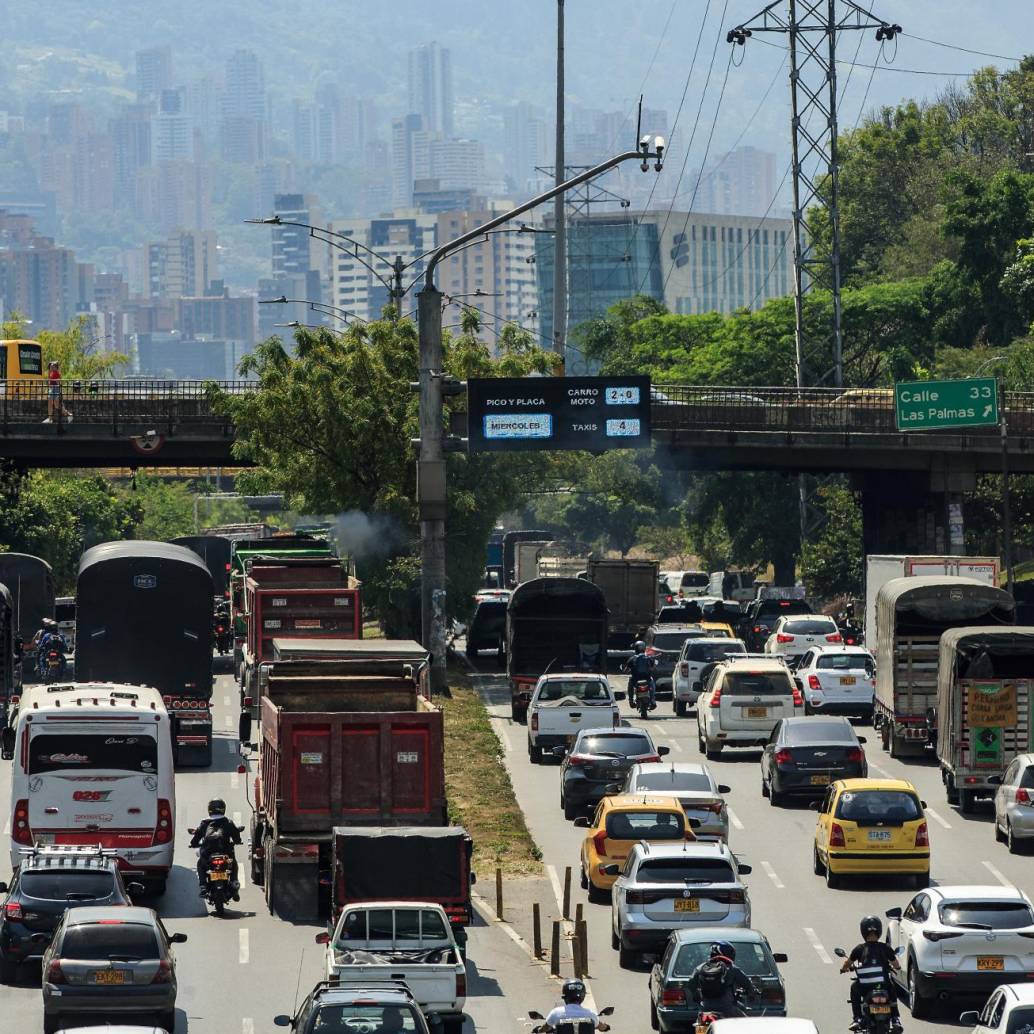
506 414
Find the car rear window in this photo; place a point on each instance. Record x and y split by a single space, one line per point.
1027 779
707 652
673 641
846 662
819 626
992 915
625 745
753 958
757 683
695 580
672 781
55 885
685 870
57 752
818 731
780 608
645 825
875 807
335 1019
580 689
96 941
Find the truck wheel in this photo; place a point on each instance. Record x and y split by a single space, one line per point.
626 958
453 1025
515 715
712 752
157 888
267 880
534 754
967 799
8 971
167 1020
884 730
570 810
681 708
1014 844
951 791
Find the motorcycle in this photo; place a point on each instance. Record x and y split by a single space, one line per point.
570 1026
54 666
877 1005
223 640
706 1017
218 887
639 695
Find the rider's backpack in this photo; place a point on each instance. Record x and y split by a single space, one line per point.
711 978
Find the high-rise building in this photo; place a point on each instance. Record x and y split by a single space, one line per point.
525 144
131 143
304 130
742 182
242 128
182 266
406 140
174 194
172 132
44 282
240 139
376 194
430 87
457 164
153 72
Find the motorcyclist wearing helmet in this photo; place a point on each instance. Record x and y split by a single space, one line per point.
716 981
46 639
572 1011
873 962
216 835
641 665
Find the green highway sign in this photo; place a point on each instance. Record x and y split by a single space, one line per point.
930 405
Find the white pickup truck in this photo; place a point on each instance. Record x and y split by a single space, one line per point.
407 941
563 704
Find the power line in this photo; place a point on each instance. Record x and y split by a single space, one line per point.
964 50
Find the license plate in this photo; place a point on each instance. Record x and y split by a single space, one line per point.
307 623
111 976
218 875
687 905
819 780
880 835
757 712
847 680
990 962
702 1028
879 1010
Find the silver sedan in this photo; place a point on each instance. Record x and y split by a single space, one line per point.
1014 804
694 786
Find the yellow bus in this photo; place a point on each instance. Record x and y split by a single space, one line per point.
21 360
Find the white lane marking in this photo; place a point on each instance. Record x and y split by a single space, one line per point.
244 951
940 820
231 746
734 819
882 771
676 746
226 703
813 937
247 1025
7 828
997 875
772 875
558 892
235 780
228 721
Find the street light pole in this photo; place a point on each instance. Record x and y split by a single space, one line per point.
559 213
1003 426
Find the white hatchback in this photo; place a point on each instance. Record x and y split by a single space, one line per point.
837 680
1010 1008
796 633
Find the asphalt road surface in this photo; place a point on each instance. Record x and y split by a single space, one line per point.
236 973
791 905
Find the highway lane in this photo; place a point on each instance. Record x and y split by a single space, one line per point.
236 973
795 909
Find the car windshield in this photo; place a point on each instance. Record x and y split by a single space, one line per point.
58 885
56 752
704 653
365 1019
757 683
695 580
815 730
622 744
878 807
672 641
686 870
645 825
846 662
820 626
101 941
753 958
993 915
580 689
672 781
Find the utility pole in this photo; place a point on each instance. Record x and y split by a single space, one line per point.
559 214
396 292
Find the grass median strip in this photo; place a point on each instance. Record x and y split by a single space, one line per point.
481 796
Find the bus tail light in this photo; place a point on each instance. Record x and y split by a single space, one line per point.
20 831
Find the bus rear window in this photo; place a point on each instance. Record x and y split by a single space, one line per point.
118 752
30 359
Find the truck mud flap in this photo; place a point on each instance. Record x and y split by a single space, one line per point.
291 880
193 750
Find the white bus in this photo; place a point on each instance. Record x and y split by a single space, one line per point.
92 764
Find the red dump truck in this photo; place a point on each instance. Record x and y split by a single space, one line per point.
345 741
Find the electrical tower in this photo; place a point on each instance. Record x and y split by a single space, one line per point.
812 28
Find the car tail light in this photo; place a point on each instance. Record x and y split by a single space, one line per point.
164 974
783 757
20 832
717 807
635 897
836 835
941 935
798 700
673 996
461 985
716 697
813 682
648 759
784 638
669 598
13 910
578 760
922 835
163 827
599 841
534 723
856 754
735 897
836 637
54 975
1022 797
218 863
684 669
774 995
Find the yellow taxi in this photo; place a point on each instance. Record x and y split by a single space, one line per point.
620 822
717 629
872 827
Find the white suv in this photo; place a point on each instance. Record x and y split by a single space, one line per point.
696 655
741 702
796 633
837 680
666 887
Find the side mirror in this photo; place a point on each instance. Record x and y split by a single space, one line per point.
135 890
244 727
780 956
582 822
39 938
3 887
693 823
722 788
559 752
969 1019
922 804
612 870
663 751
532 1015
282 1020
607 1010
995 780
613 788
178 938
473 878
862 739
323 938
240 829
619 694
815 805
7 744
745 870
840 953
191 830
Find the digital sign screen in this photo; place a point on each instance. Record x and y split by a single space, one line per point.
505 414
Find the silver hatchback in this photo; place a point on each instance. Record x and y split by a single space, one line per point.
696 790
110 962
1014 804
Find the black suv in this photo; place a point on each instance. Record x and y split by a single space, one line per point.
369 1006
49 881
761 616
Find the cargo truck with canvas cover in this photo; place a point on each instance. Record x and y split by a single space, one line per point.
984 681
911 616
630 589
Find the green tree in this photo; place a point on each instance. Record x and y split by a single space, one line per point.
831 563
72 347
605 340
166 508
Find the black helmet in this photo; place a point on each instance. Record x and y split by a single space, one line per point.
217 806
723 948
573 992
870 924
640 646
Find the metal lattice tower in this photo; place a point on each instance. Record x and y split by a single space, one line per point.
812 27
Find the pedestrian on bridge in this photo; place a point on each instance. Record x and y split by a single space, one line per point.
54 403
